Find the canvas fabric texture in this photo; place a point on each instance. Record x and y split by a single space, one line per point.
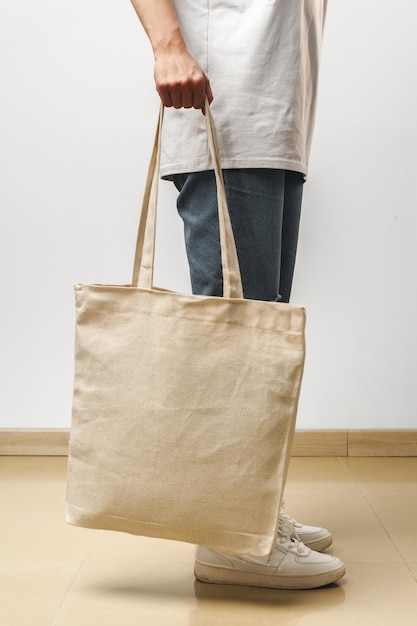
184 406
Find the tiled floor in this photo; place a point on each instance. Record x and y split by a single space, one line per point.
55 575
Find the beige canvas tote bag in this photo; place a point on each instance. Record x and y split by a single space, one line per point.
184 406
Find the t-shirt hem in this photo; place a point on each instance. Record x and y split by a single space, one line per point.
169 170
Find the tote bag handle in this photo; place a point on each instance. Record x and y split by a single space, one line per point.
145 244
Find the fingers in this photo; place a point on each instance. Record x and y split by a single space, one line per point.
183 95
181 83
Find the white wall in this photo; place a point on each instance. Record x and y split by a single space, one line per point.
78 111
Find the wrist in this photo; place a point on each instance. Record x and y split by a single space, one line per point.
169 42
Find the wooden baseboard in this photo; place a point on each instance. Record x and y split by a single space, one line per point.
39 442
402 443
320 443
382 443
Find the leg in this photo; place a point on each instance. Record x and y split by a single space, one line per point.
256 202
294 182
264 207
197 206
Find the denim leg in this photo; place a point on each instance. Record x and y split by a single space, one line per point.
256 200
197 206
294 183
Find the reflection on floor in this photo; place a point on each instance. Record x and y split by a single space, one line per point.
52 574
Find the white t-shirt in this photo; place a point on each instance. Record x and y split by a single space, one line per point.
262 59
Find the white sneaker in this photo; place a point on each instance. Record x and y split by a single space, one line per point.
313 537
292 565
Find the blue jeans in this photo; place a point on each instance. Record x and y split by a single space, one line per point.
264 207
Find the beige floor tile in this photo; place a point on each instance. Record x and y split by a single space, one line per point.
358 535
52 574
132 580
398 514
364 598
383 475
219 605
33 526
318 476
33 468
32 593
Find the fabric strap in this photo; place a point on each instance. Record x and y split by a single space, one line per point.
145 244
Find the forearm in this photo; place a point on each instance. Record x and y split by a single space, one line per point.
160 23
179 79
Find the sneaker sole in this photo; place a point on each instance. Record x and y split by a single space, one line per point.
320 544
224 576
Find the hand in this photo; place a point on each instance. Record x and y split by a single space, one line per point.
180 81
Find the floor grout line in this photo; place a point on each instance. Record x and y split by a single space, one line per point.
385 530
71 584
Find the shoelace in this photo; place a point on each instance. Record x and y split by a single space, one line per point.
288 537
